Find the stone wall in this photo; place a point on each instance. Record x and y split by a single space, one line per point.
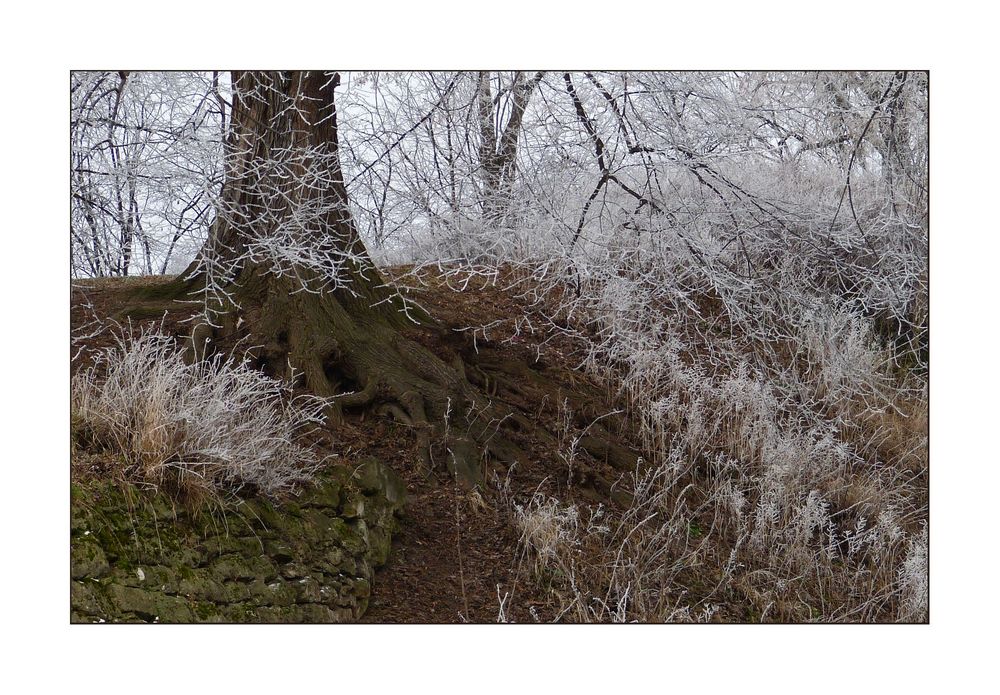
138 557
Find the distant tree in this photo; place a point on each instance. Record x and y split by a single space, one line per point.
145 167
500 118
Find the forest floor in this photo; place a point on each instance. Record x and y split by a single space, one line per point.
456 556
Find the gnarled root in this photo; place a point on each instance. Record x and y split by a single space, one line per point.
364 360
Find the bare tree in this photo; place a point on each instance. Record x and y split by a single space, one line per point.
284 264
146 166
500 118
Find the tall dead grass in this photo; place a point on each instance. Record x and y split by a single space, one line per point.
215 426
787 449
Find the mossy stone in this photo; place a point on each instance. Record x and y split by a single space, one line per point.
150 605
139 556
87 559
375 478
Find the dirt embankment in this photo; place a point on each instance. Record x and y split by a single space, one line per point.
454 553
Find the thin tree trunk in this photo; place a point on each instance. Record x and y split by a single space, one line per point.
498 152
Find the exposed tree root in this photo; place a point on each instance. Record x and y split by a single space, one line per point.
464 409
364 358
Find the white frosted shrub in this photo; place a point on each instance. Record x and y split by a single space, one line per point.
218 425
794 478
548 529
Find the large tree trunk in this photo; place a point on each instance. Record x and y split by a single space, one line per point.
333 324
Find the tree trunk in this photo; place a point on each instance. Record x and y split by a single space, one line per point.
498 150
349 337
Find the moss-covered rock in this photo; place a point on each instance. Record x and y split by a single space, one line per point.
87 559
374 479
138 556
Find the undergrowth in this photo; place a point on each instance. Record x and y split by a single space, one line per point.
784 434
218 426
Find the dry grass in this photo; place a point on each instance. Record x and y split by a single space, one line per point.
217 427
788 452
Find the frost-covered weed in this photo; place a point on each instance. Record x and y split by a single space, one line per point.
217 425
784 378
608 566
914 579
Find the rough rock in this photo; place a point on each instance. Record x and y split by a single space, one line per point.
136 556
